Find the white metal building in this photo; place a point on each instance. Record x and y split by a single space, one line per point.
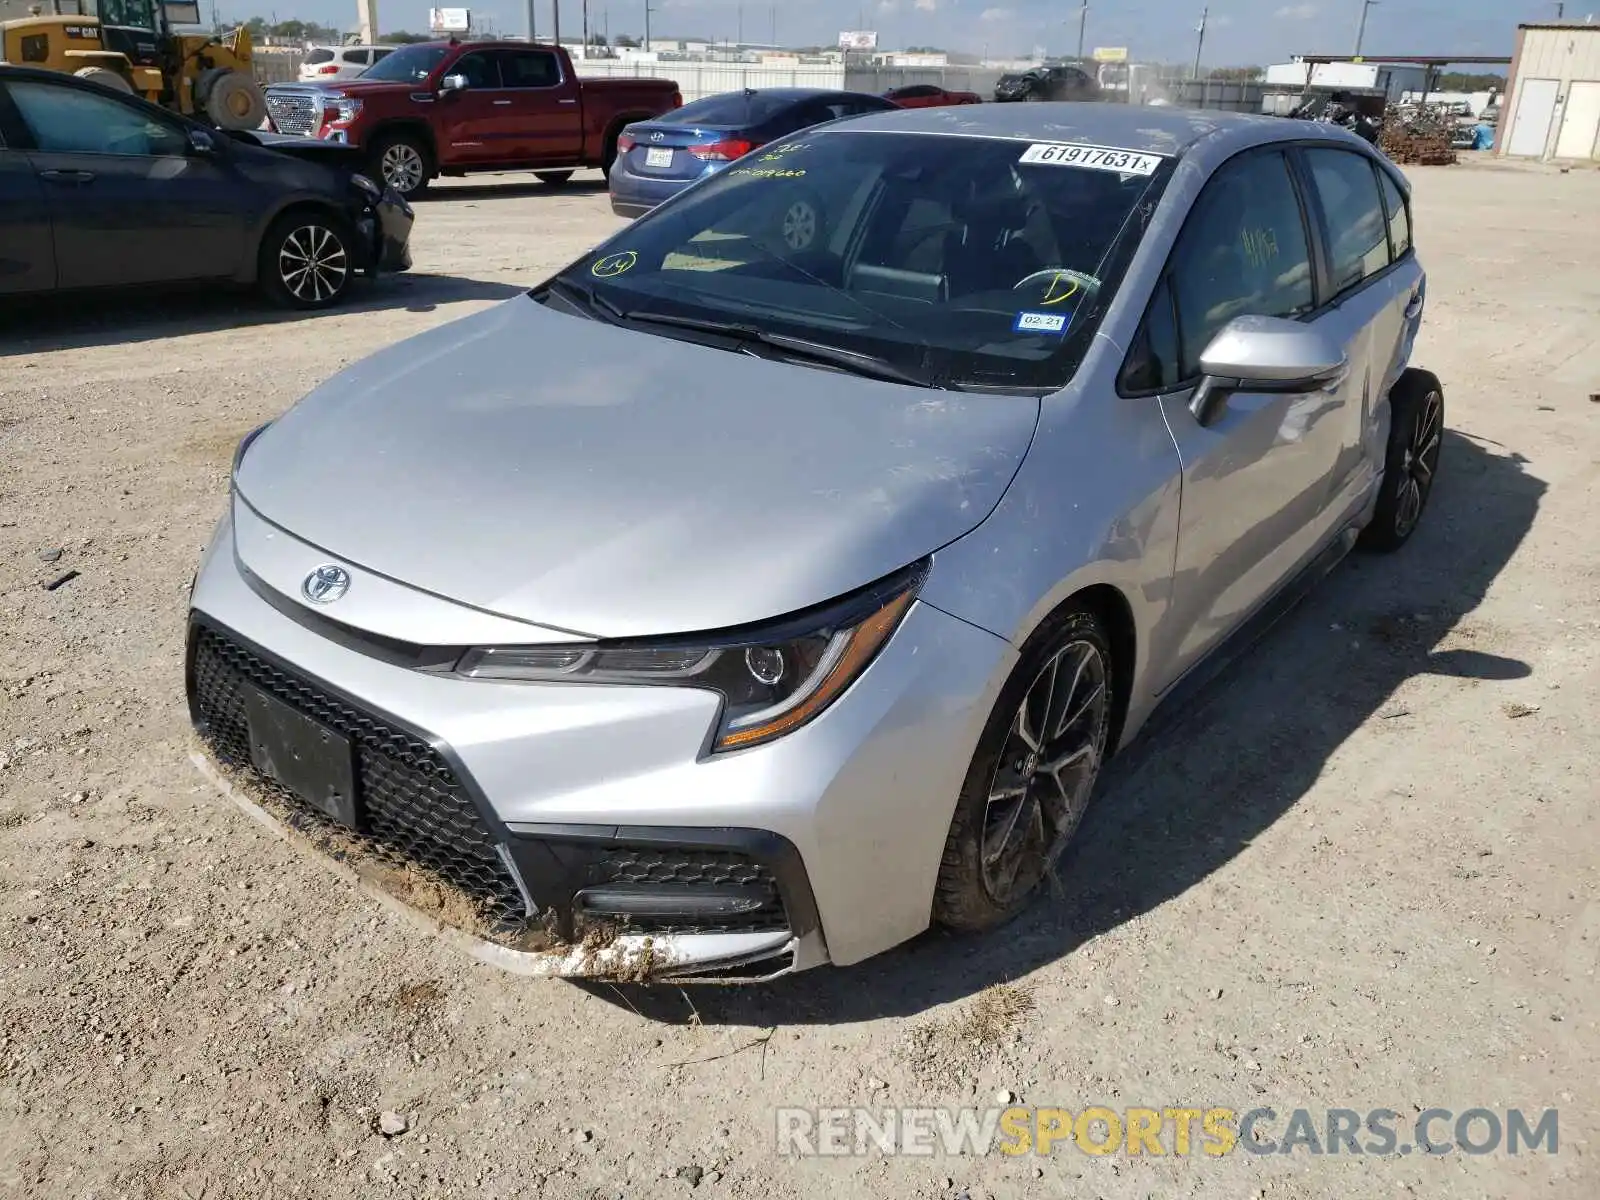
1554 93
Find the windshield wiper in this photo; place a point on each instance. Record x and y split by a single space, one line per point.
586 300
793 348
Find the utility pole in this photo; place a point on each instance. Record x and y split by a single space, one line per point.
1361 29
533 25
1083 21
1561 12
774 26
555 19
1205 13
585 28
647 26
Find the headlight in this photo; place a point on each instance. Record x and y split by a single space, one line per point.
772 680
366 185
347 108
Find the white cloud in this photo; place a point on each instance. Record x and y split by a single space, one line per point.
927 5
994 14
888 6
1297 12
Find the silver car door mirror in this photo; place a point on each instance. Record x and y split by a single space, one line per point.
1265 354
453 83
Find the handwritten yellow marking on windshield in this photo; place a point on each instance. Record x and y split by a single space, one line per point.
1052 297
614 264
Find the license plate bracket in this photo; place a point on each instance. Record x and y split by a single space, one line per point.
658 156
312 761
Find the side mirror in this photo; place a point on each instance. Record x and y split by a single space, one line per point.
453 83
202 144
1266 354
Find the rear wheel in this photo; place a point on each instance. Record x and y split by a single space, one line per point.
402 162
1416 436
1032 775
554 179
106 78
307 260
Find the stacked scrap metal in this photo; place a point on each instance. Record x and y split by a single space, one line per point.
1421 135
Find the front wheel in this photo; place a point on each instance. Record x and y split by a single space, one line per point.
801 222
1032 775
307 260
401 161
1416 436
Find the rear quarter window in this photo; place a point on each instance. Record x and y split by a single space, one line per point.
319 56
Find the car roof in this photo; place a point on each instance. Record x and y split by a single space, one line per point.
1170 131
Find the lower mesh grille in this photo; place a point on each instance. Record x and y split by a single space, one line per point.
416 811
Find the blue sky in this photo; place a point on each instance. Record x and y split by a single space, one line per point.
1239 31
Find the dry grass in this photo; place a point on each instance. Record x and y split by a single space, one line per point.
995 1012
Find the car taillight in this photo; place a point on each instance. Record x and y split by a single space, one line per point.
328 70
725 151
625 143
677 99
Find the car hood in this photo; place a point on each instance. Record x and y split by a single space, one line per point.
613 483
337 154
354 86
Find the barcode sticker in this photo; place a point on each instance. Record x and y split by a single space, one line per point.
1097 158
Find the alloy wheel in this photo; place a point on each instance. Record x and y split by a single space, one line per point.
402 167
313 264
800 225
1047 769
1419 463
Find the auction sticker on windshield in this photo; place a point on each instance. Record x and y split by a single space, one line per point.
1099 158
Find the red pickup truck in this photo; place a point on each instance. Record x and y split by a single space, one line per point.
449 108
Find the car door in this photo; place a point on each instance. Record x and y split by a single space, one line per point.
1374 304
548 116
27 257
1256 472
130 201
476 122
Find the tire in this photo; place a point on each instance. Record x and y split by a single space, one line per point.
235 101
984 882
1411 462
801 222
553 179
403 162
307 259
608 156
106 78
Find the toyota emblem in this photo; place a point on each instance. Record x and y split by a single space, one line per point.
326 584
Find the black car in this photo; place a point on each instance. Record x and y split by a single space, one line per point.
100 189
1047 83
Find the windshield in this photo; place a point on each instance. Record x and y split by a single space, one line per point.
409 64
730 108
965 261
133 14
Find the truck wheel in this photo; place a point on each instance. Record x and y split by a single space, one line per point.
608 155
554 179
307 259
235 101
402 161
106 78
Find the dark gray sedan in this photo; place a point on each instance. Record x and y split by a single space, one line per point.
100 189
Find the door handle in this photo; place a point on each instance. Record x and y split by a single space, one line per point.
1414 308
566 101
498 103
73 177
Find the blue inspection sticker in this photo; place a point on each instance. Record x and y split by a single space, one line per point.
1053 324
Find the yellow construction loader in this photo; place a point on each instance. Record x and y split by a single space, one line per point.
130 45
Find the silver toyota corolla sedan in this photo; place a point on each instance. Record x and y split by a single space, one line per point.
775 580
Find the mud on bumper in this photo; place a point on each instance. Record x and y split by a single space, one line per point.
567 900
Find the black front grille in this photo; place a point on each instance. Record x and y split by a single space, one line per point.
415 810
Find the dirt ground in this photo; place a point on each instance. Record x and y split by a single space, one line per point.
1361 873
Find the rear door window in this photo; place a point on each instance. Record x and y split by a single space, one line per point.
1399 216
319 56
530 69
357 58
1357 230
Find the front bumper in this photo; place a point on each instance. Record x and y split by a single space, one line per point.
385 227
588 814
